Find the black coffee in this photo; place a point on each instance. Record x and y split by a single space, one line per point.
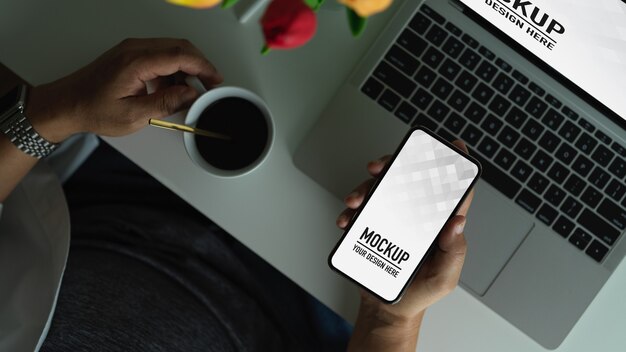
243 122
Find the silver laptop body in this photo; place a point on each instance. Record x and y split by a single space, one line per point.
539 279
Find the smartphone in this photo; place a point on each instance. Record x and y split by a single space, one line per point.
397 225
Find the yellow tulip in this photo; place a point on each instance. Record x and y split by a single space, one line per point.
366 8
195 4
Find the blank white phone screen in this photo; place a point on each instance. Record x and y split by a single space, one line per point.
404 215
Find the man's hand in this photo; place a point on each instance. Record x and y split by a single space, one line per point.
395 327
108 97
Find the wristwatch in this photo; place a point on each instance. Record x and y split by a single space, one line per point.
16 126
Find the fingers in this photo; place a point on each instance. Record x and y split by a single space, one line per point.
344 218
375 167
164 57
356 197
161 103
461 145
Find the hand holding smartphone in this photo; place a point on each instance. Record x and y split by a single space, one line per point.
422 187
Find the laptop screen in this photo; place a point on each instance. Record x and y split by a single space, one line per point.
583 40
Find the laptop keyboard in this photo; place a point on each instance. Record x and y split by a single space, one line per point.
534 149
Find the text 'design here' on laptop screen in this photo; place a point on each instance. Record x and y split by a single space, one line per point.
584 41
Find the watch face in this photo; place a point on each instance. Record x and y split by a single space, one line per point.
10 99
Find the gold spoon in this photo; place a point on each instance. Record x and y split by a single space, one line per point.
184 128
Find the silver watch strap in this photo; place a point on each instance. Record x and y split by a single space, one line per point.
21 133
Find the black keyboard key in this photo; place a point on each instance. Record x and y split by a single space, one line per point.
618 167
453 29
591 197
475 112
536 107
549 141
442 88
553 119
536 89
455 123
521 171
432 14
586 125
420 23
566 153
558 173
406 112
525 148
615 214
402 60
425 76
571 114
532 129
469 59
580 239
372 88
575 185
569 131
425 121
547 214
505 159
466 81
528 201
602 155
519 95
436 35
597 251
443 133
516 117
453 47
618 149
597 226
554 195
520 77
433 57
615 189
488 147
538 183
492 124
438 111
486 71
563 226
541 161
486 53
504 66
602 137
508 136
498 179
458 100
469 41
553 101
502 83
422 98
599 177
482 93
571 207
411 42
586 143
499 105
471 135
582 165
389 100
395 79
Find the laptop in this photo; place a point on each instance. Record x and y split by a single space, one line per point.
536 89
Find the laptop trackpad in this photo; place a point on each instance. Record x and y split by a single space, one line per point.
493 234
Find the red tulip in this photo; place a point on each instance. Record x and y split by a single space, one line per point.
288 24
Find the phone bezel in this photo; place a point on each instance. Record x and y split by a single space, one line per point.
368 196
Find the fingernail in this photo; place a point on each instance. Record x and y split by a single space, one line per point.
460 227
352 195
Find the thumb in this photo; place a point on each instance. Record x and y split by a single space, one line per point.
165 102
447 261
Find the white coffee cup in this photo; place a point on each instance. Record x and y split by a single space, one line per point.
202 103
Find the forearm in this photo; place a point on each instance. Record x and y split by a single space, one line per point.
376 332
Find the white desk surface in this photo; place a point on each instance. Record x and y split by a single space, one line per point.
276 211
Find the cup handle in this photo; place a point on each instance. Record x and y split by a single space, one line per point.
192 81
195 83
